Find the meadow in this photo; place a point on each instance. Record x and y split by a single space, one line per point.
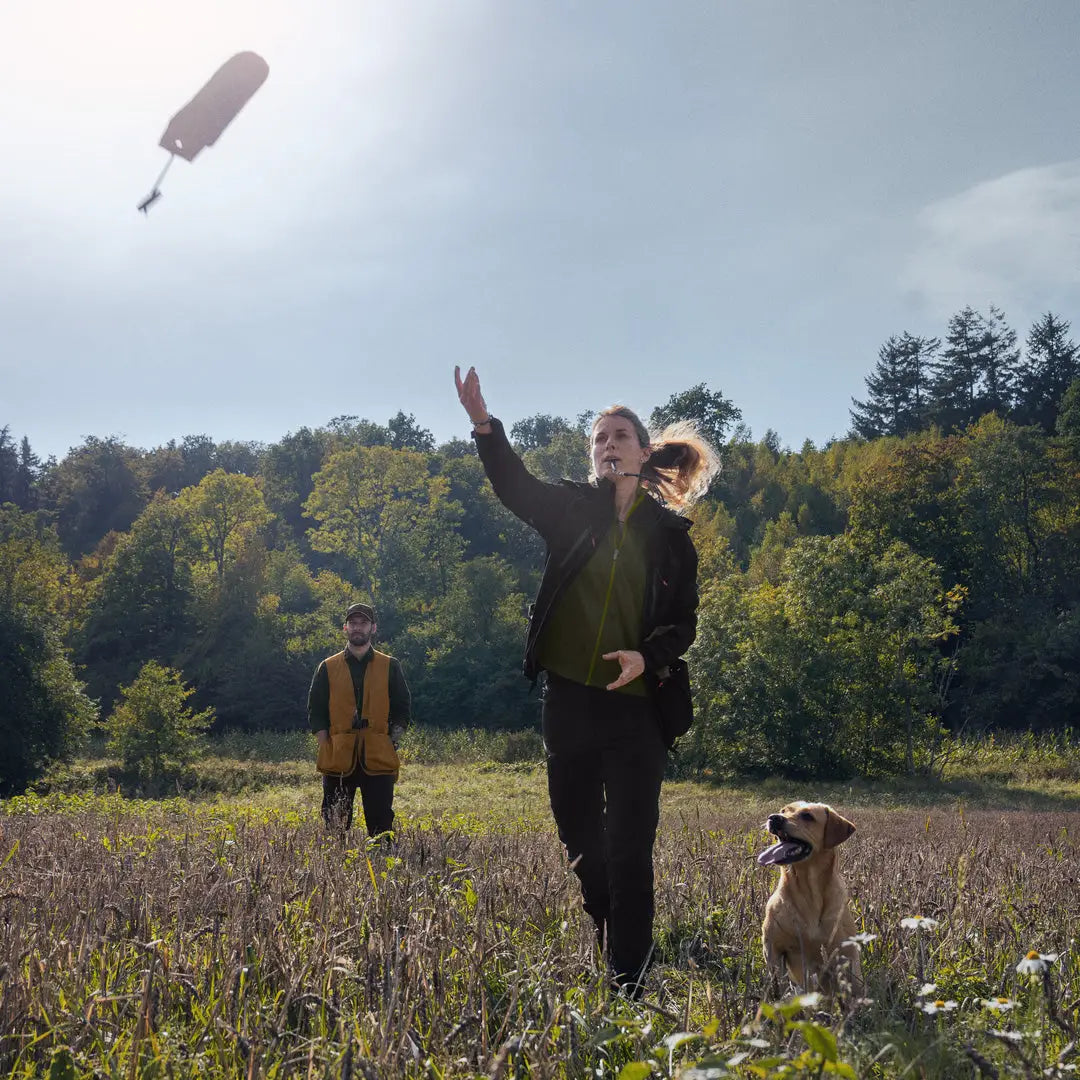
221 932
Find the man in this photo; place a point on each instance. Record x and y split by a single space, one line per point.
359 707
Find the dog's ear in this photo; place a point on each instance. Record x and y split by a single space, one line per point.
837 828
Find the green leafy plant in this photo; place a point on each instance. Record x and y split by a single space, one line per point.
152 729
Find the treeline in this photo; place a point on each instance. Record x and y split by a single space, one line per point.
979 369
859 601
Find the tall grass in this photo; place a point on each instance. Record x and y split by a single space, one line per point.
180 939
237 760
1025 756
425 745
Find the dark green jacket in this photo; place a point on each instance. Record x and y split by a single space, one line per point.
572 518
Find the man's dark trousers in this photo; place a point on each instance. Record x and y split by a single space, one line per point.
605 761
376 794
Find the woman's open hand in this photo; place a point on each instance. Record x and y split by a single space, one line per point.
468 392
632 664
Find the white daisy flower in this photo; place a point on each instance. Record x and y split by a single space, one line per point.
1008 1036
932 1007
919 922
859 939
926 989
1035 963
998 1004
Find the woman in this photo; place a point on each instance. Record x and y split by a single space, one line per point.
617 603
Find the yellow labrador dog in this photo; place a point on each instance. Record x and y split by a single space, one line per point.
807 917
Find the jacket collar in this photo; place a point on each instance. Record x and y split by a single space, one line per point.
651 509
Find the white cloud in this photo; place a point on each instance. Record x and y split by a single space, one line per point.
1013 241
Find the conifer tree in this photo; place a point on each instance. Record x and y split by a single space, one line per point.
9 465
977 370
27 473
897 399
955 384
1052 363
1000 366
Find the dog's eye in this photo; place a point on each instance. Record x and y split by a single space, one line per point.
806 815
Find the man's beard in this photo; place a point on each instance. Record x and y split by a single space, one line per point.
359 638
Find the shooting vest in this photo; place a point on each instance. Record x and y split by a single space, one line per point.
358 736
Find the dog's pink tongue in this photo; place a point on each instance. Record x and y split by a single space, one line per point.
779 851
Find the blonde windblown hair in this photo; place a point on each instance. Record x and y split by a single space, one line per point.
682 463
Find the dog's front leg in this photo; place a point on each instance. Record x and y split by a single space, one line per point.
775 977
795 963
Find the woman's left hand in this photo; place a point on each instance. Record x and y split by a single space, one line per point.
632 664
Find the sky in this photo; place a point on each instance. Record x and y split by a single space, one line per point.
593 203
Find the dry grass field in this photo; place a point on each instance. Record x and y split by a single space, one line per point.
231 937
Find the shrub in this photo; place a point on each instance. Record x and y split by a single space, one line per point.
44 712
152 729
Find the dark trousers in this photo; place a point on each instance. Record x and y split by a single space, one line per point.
605 762
376 794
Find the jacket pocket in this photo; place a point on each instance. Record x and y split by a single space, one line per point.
338 754
377 755
674 701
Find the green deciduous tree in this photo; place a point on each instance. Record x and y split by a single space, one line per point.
1018 668
758 483
387 517
152 729
1067 425
537 431
407 434
907 492
97 488
830 672
767 559
486 527
565 454
463 658
224 511
982 504
287 471
307 609
44 711
346 432
141 605
34 572
1006 502
710 410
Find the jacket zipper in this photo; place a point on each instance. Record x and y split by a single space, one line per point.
619 541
